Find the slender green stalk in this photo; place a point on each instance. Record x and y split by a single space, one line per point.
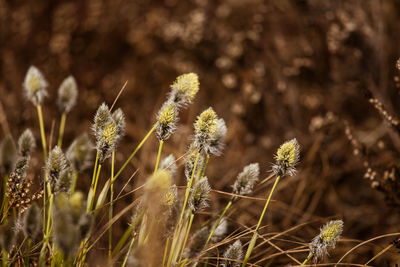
110 209
47 234
122 241
189 186
203 170
254 238
28 252
186 236
135 151
4 258
4 204
42 133
158 155
218 222
73 185
61 131
128 252
95 168
94 188
165 252
308 259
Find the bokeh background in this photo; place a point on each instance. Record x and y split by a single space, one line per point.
273 70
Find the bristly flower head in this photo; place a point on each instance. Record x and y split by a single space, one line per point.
35 86
190 160
217 142
184 89
67 94
119 119
167 118
107 132
64 181
205 128
8 155
326 240
233 255
200 195
56 163
169 164
26 143
287 157
246 179
78 153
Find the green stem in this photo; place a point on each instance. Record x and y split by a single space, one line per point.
165 252
218 222
42 133
254 238
135 151
95 168
61 131
73 185
128 252
158 155
4 204
95 187
203 171
308 258
186 236
189 186
110 210
47 235
4 257
28 252
122 241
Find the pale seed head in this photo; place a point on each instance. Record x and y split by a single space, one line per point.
26 142
79 152
246 179
67 94
167 118
184 89
326 240
200 195
233 255
287 157
35 85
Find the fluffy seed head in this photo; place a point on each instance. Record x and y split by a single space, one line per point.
287 157
197 242
64 181
26 142
171 196
184 89
78 153
167 118
233 255
101 119
326 240
220 231
217 141
200 195
246 179
21 165
119 119
35 85
169 164
67 94
107 141
205 129
190 160
8 155
32 221
56 163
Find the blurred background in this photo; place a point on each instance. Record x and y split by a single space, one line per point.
274 70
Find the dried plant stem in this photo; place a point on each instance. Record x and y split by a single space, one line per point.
73 184
158 155
42 132
61 131
254 238
135 151
110 209
308 259
186 236
218 221
128 252
189 186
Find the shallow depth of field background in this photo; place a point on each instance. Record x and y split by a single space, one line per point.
273 70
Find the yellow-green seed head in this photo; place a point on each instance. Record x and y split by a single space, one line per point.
109 133
184 89
159 181
326 240
206 122
169 198
331 231
287 157
166 120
